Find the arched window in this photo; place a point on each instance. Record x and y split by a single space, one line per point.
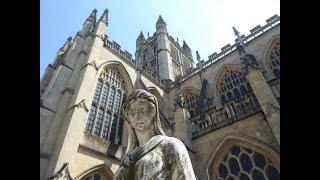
104 118
190 101
235 92
244 163
233 81
273 60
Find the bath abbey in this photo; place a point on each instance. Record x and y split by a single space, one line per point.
224 108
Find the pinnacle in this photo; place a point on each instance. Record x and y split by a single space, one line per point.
141 35
160 20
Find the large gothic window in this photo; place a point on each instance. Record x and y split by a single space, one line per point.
190 101
273 65
176 69
104 118
246 164
274 59
235 93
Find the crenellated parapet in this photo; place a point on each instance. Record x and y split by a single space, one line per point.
116 48
229 48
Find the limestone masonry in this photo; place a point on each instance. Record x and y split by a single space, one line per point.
225 109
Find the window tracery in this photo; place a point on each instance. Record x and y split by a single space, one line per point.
104 118
274 59
245 163
190 101
235 93
273 64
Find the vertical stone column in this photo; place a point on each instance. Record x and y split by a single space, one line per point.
262 91
266 99
164 57
182 127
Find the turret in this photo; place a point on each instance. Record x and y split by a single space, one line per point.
89 23
102 24
140 40
161 25
163 46
186 49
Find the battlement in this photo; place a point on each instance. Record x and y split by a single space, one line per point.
116 48
176 43
227 49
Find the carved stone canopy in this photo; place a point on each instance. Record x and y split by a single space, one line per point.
249 62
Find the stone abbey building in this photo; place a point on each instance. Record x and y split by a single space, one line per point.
226 109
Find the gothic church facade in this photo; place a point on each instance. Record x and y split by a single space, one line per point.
225 109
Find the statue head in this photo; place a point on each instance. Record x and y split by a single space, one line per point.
141 111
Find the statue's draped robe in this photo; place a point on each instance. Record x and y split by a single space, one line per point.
160 158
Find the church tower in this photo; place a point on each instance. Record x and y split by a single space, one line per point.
226 110
162 55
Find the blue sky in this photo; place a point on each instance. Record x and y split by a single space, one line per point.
206 25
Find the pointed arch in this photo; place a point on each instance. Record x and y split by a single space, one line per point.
191 96
217 78
123 71
266 56
102 169
220 153
222 71
113 84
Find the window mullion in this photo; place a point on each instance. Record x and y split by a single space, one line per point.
105 110
110 125
117 128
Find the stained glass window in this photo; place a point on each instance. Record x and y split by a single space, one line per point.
97 92
190 100
244 163
274 58
91 118
107 99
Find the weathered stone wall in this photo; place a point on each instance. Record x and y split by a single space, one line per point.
255 127
63 128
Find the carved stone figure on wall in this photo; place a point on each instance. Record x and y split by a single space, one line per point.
249 62
150 153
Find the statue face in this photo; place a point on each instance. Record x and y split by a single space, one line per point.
141 114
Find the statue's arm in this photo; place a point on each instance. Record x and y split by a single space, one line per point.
179 161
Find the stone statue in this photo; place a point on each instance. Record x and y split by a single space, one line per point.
150 154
